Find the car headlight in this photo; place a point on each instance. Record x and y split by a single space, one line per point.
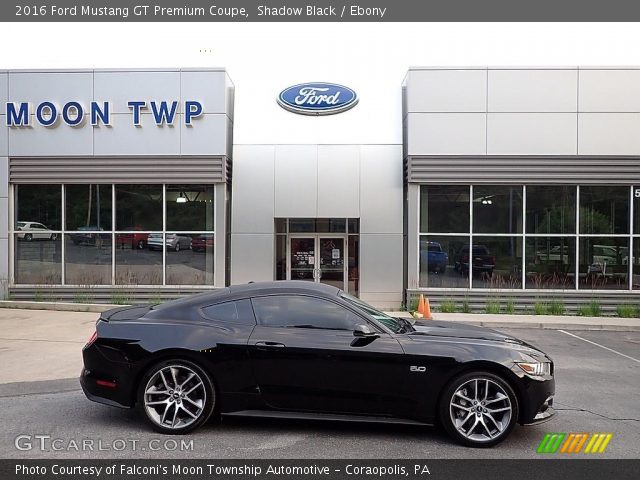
535 369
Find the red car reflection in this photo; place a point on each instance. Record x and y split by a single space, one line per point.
202 243
133 239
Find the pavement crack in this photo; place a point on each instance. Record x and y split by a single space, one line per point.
571 408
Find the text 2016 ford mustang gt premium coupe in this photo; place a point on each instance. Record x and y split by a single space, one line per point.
305 350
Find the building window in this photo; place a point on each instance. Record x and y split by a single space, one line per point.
604 210
550 262
551 209
519 237
496 262
497 209
114 235
604 263
444 208
444 261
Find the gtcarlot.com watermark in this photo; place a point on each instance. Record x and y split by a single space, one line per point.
49 443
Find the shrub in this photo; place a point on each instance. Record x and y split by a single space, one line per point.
155 301
447 306
120 298
413 306
465 307
492 306
627 311
540 308
510 307
592 309
82 297
557 308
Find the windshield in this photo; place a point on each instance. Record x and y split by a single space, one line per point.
393 324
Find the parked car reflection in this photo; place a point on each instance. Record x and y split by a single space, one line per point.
87 236
34 231
133 239
483 262
201 243
173 242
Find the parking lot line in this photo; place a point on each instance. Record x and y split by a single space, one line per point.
601 346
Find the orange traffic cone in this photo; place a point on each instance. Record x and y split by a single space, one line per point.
421 305
427 310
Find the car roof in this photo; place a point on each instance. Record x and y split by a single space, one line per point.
252 289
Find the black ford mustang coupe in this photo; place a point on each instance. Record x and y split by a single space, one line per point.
305 350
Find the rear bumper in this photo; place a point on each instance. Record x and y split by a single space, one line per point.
106 381
90 390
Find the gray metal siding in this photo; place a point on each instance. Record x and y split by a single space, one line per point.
528 170
119 170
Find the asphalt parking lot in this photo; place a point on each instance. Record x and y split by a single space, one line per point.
598 387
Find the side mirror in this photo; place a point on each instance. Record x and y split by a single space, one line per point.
364 331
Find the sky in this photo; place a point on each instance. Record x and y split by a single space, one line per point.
264 58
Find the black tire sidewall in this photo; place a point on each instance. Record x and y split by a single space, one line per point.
209 386
445 418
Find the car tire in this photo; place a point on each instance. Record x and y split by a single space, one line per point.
177 247
28 237
54 237
192 394
140 244
484 423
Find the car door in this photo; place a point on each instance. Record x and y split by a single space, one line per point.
305 357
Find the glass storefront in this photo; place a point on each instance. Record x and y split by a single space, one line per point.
323 250
560 237
114 234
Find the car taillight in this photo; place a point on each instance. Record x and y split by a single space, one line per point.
92 339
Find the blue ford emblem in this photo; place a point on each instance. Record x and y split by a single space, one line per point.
317 98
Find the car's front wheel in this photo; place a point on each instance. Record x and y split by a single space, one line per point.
177 396
478 409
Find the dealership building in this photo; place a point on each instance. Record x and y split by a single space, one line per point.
517 185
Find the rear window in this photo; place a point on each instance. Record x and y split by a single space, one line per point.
480 251
434 248
233 312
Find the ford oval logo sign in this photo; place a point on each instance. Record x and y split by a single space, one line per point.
317 98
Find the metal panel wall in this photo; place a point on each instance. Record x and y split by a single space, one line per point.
118 170
509 169
253 192
542 125
209 135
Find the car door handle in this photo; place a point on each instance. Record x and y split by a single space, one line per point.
269 344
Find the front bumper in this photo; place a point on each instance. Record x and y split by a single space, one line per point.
537 404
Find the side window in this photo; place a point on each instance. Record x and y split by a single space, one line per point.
232 312
303 312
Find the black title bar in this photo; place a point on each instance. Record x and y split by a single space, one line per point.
320 11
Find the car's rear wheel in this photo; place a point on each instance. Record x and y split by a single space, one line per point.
177 396
140 244
28 237
478 409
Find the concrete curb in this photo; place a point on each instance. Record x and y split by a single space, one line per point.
552 322
58 306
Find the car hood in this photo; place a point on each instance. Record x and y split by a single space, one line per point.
434 328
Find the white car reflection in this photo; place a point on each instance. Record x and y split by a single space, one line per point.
173 241
34 231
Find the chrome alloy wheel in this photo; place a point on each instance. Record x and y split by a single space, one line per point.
175 397
480 410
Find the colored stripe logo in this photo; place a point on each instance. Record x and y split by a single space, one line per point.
572 443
